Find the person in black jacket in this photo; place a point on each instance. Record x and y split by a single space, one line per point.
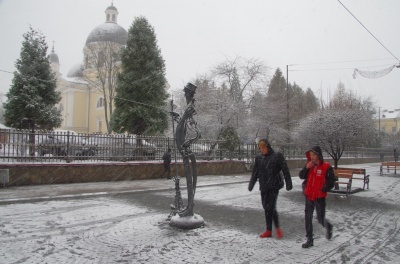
167 164
267 168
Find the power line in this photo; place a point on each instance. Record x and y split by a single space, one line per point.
368 30
336 69
336 62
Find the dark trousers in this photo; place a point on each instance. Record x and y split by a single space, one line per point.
167 170
320 205
268 200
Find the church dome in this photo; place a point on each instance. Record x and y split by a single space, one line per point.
53 57
110 30
76 71
112 7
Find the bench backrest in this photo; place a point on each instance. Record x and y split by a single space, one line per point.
355 171
391 163
339 173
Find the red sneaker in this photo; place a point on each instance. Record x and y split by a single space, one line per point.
267 233
279 233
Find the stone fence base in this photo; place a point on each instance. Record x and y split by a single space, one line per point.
35 174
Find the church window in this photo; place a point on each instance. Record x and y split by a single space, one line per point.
113 18
100 102
61 107
108 17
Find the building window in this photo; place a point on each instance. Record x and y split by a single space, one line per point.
113 18
61 107
100 103
108 17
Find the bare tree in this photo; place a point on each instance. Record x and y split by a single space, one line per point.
225 95
242 76
347 122
240 79
102 63
265 119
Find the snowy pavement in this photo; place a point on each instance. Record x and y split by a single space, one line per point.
126 222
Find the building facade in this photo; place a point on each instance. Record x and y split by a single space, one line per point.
84 89
388 121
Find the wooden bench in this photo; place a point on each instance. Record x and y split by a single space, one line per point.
389 165
344 177
361 174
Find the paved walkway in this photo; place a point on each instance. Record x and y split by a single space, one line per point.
126 222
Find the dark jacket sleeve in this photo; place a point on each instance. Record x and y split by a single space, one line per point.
303 173
286 173
329 180
254 174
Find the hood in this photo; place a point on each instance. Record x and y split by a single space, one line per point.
317 150
270 150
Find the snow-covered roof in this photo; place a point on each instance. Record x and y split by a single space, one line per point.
74 80
76 71
390 114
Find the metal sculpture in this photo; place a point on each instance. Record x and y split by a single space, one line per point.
186 122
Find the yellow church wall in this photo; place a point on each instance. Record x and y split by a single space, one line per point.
96 116
80 112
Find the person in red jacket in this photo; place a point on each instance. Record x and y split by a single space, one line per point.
318 179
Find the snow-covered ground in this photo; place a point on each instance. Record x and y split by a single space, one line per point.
132 227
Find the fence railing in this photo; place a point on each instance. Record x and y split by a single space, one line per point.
67 146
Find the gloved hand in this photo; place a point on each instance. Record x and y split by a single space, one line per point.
289 186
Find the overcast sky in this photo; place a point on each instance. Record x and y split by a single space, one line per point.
320 40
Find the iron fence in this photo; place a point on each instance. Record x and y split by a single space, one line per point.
68 146
18 146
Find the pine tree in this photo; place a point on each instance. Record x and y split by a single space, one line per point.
32 97
277 86
277 98
140 91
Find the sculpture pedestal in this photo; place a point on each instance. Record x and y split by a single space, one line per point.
187 222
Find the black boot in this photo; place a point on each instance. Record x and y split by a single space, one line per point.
329 228
309 243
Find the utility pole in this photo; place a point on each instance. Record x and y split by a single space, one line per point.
287 103
379 122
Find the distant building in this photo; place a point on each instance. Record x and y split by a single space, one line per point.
388 121
82 105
